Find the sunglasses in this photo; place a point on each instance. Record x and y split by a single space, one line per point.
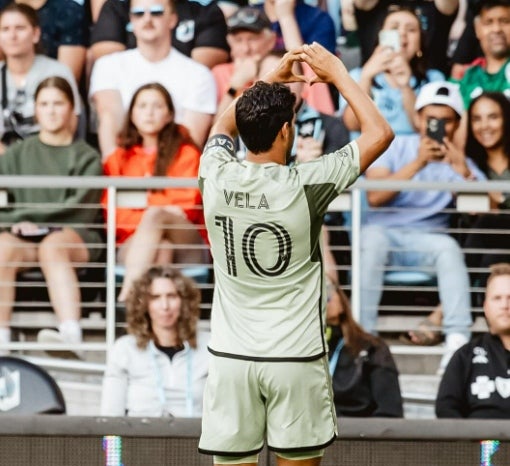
154 11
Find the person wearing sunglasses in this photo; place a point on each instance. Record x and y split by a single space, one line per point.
116 77
200 32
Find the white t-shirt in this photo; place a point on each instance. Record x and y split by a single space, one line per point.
190 84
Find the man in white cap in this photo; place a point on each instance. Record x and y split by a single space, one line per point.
411 229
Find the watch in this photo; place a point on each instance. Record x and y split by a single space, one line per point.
232 92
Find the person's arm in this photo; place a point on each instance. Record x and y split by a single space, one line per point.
198 124
105 47
365 5
74 57
110 114
109 31
451 399
447 7
115 385
376 134
95 9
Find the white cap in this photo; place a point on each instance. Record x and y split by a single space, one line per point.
440 93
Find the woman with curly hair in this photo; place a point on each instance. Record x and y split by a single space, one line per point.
160 367
170 229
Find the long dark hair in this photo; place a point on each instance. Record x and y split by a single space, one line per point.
418 63
170 138
473 148
355 337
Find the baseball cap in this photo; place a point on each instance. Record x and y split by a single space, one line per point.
440 93
248 19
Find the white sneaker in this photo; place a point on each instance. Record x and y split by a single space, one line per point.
52 336
453 342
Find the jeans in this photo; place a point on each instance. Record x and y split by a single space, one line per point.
382 246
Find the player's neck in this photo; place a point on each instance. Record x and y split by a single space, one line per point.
271 156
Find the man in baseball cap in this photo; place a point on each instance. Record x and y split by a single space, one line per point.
250 38
415 223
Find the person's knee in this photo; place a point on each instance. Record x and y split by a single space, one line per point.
10 249
374 241
153 216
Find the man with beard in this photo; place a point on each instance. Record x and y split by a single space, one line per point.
492 73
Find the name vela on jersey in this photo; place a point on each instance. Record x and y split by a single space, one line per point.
244 200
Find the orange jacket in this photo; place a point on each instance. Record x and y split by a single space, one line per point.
135 161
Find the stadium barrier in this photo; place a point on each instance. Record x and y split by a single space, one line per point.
95 441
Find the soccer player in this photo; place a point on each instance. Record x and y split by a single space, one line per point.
269 376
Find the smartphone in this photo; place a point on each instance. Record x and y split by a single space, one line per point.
390 38
436 129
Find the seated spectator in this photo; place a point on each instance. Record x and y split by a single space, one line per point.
365 377
160 367
152 144
21 72
64 33
392 77
115 77
408 231
475 382
35 223
200 31
492 27
436 17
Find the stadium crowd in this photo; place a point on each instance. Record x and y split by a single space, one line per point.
133 86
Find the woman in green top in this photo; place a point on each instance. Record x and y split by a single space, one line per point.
34 225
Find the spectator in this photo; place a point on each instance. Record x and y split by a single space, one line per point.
115 77
160 367
436 17
365 377
394 77
297 23
35 223
475 382
408 232
152 144
492 27
250 39
22 71
200 31
64 33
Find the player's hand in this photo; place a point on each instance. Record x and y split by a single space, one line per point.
324 64
285 72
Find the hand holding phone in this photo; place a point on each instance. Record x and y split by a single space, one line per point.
436 129
390 38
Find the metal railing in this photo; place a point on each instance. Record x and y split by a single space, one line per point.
470 195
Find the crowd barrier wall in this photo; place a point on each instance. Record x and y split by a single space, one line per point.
95 441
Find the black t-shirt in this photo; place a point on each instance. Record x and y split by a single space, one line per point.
199 26
435 24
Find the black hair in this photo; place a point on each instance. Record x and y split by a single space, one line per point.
473 148
261 112
477 6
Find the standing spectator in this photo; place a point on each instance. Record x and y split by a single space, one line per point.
365 377
492 27
475 382
200 31
115 77
268 378
35 225
393 78
411 229
152 144
436 16
22 71
160 367
64 33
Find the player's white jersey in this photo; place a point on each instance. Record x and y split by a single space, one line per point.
264 223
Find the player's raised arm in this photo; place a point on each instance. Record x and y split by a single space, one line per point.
376 134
